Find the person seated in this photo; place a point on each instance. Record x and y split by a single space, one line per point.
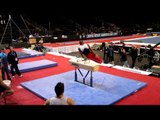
7 91
86 52
39 47
59 99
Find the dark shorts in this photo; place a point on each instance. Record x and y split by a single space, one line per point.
86 51
2 89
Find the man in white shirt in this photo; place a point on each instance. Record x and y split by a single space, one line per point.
59 99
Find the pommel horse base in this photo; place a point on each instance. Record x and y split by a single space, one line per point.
89 65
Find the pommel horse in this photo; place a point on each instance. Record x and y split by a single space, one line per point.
81 63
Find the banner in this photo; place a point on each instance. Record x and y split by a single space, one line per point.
97 35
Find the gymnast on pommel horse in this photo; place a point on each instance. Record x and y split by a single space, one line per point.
86 52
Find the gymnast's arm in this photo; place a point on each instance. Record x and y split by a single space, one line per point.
70 101
90 48
47 102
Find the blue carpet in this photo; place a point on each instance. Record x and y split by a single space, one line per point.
153 40
28 54
24 55
35 65
107 89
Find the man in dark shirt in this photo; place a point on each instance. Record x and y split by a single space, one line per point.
104 49
133 54
150 53
13 62
111 53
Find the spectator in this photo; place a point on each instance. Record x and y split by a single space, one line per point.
156 57
123 58
104 49
59 99
150 53
111 53
133 54
39 47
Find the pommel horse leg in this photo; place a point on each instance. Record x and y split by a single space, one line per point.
91 80
75 74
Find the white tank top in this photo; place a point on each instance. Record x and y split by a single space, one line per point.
58 101
82 47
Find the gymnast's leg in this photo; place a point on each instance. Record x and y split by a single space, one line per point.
94 57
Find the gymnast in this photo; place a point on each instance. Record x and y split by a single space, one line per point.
86 52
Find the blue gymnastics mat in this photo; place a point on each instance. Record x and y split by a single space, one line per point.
153 40
28 54
107 89
35 65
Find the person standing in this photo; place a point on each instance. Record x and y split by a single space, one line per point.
13 62
150 53
134 55
111 54
4 64
156 57
123 58
104 49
